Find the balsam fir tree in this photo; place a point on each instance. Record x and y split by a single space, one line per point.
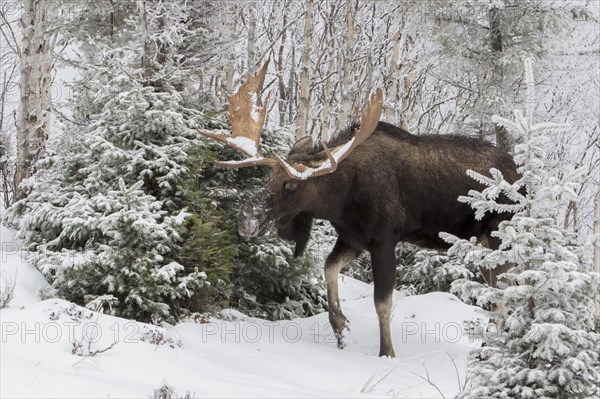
104 215
271 283
266 280
431 271
547 346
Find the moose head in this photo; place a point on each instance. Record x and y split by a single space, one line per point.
291 196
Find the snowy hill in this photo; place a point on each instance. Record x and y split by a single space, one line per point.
54 348
15 271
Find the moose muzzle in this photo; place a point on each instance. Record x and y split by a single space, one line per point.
254 218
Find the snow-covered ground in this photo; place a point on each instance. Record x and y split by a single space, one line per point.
53 348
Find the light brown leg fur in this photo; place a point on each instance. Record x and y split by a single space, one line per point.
337 259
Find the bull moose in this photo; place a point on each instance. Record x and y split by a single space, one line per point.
376 183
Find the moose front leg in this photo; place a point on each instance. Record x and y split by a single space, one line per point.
383 259
337 259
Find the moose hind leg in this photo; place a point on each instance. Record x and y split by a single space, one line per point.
337 259
490 276
384 278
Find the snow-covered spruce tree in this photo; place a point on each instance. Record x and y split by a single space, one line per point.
103 215
209 239
271 283
481 44
419 271
105 200
547 347
266 280
427 271
406 276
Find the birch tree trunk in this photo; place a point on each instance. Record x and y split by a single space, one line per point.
146 57
162 46
346 88
369 67
251 49
303 106
231 34
410 76
7 165
328 89
597 243
291 95
389 112
280 73
36 62
502 137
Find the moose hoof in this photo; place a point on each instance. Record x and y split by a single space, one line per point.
390 355
342 338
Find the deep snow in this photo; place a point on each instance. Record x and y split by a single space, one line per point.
236 356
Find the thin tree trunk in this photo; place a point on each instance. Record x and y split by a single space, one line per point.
3 91
346 88
33 120
292 86
410 76
389 112
303 106
597 243
571 212
230 67
502 137
369 69
162 47
7 171
280 69
217 86
146 56
328 89
251 49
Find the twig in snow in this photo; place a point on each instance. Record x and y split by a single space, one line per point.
7 291
461 386
428 380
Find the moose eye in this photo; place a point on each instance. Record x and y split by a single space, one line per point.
291 185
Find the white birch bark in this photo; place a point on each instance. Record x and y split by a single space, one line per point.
410 76
391 104
597 243
251 49
502 137
303 105
347 79
282 103
291 95
146 57
229 67
369 68
36 62
328 88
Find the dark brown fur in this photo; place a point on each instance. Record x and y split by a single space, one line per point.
393 187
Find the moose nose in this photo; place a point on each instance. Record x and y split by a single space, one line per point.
248 227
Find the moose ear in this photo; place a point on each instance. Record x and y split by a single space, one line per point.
303 145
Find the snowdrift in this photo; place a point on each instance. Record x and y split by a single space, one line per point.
53 348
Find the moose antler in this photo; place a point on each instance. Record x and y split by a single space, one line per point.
368 123
246 113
